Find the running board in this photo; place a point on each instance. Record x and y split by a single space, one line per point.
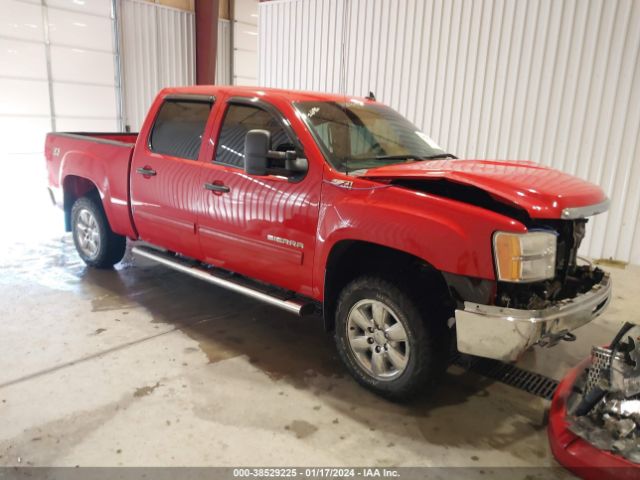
277 298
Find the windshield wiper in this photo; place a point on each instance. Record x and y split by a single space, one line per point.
416 158
440 155
393 157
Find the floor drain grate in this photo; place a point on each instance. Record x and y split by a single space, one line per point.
508 374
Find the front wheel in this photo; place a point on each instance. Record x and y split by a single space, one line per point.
386 340
96 243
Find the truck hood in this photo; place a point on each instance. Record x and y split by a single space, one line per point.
543 192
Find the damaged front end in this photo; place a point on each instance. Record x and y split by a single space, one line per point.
504 333
540 312
542 290
571 278
602 406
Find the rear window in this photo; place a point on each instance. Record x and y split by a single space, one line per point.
178 128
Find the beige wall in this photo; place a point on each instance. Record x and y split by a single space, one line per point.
180 4
225 9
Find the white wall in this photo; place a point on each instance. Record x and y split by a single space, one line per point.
223 55
245 42
57 70
158 50
553 81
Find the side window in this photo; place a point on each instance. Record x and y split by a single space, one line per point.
178 128
238 120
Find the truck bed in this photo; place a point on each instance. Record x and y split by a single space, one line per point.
102 137
80 161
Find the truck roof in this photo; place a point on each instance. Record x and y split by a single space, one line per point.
262 92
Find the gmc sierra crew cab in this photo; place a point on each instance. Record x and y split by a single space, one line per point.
318 202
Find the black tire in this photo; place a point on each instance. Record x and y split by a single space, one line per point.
427 338
110 247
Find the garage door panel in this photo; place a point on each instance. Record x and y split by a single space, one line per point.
24 22
97 7
78 65
245 36
246 64
24 97
22 59
23 134
81 30
244 81
74 100
246 11
87 124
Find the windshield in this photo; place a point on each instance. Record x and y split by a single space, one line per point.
356 136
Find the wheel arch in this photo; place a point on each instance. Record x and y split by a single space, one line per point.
73 188
349 259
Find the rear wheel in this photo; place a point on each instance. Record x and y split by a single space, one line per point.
95 242
386 339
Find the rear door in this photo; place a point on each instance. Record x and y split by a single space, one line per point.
260 226
165 172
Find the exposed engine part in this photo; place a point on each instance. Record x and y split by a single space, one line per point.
625 408
625 378
625 427
570 279
605 409
540 295
599 371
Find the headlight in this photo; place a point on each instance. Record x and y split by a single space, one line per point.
526 257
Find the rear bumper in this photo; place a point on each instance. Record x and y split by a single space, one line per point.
505 333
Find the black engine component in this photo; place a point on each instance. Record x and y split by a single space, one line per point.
570 279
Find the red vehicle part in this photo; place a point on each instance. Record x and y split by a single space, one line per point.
575 453
322 226
78 162
541 191
169 207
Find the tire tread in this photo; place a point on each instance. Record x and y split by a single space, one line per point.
430 342
112 245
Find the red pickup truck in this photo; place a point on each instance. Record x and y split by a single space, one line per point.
311 201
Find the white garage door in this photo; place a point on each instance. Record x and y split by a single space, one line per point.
556 82
57 70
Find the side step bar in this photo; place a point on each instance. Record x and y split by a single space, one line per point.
235 283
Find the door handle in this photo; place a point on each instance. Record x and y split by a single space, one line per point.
146 171
217 188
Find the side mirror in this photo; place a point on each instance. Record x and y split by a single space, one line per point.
256 150
260 161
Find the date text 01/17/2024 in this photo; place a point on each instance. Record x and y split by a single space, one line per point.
313 472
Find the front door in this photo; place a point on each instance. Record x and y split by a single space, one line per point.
165 174
260 226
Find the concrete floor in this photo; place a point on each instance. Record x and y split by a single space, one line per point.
144 366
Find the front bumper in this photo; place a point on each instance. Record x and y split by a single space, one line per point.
505 333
